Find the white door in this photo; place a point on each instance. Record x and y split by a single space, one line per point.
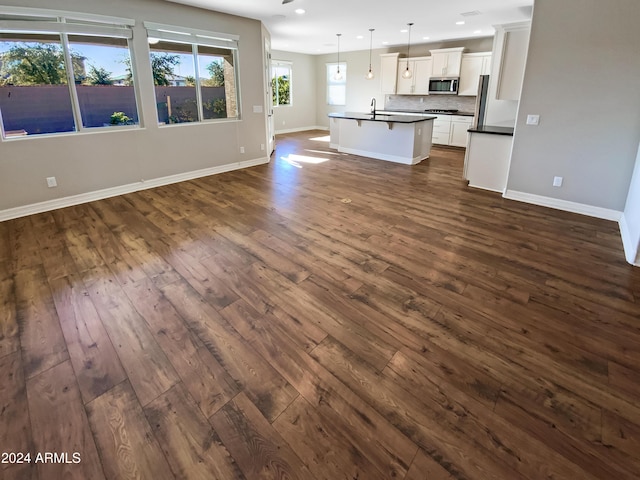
271 139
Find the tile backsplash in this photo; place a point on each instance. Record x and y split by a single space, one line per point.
412 102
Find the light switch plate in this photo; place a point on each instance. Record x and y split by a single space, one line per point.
257 109
557 181
533 119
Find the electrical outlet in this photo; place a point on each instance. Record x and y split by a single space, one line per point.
262 146
557 181
241 149
533 119
51 182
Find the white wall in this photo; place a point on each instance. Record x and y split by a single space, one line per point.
630 223
88 162
301 114
582 79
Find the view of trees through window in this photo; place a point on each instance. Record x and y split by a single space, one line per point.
192 83
34 73
68 74
281 83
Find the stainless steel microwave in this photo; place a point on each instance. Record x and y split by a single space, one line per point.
443 86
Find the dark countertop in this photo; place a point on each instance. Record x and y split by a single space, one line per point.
464 114
490 129
381 117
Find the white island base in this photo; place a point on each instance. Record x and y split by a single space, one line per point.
384 137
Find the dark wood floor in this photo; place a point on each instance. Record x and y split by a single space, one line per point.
312 319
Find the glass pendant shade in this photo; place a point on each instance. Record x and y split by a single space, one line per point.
370 75
338 74
407 73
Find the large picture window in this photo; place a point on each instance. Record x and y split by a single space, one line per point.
336 84
281 83
194 74
78 78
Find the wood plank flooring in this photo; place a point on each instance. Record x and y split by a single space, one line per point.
321 317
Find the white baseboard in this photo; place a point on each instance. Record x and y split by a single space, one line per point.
631 247
565 205
301 129
57 203
485 188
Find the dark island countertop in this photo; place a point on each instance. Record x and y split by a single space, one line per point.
492 130
381 117
427 112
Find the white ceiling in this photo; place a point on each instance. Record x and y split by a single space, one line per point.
315 31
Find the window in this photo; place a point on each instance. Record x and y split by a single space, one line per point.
336 84
76 78
281 83
194 74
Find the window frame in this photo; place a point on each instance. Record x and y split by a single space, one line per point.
63 24
331 82
195 38
289 65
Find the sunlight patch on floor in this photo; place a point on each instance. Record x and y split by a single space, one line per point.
322 152
325 138
296 160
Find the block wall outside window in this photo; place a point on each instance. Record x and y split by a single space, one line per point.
62 82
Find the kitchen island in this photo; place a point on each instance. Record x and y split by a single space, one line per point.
395 138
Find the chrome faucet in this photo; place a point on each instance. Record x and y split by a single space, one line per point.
373 105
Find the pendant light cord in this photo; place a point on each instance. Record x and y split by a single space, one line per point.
409 43
338 35
370 45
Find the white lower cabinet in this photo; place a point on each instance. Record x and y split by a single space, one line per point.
451 130
458 134
441 129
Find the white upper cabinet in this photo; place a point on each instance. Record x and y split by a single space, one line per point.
515 43
418 83
405 85
446 62
473 65
422 73
388 72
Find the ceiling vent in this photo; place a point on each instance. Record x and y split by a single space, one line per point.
471 14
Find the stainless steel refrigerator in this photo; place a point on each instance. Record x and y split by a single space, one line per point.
481 101
478 115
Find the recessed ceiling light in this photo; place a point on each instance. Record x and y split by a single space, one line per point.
300 11
477 31
461 22
359 37
404 30
385 43
425 38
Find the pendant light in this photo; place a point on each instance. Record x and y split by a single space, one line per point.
407 73
338 74
370 75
